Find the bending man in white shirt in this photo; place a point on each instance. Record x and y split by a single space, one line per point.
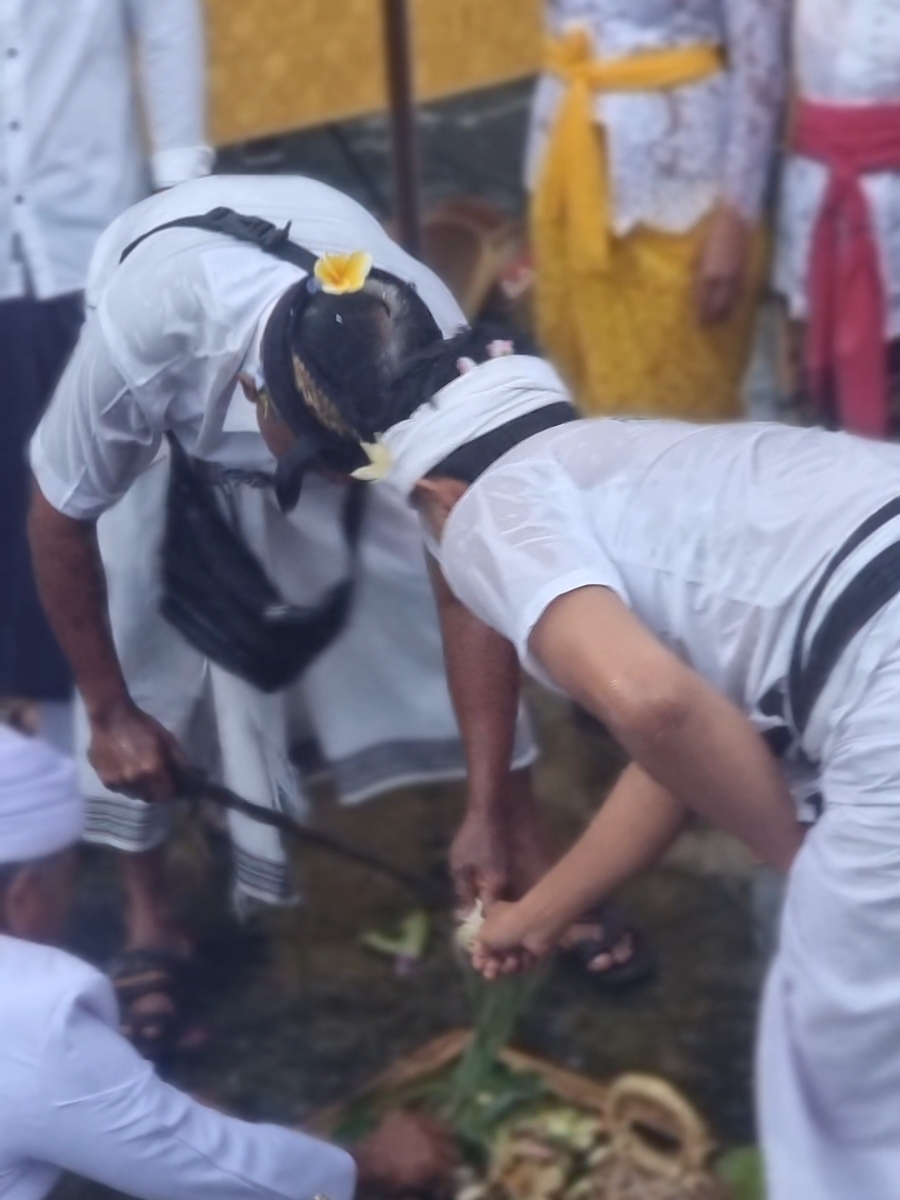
75 82
75 1096
181 331
725 599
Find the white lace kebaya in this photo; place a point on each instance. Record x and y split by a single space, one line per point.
673 155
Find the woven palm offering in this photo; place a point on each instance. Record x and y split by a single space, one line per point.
530 1130
647 1144
527 1129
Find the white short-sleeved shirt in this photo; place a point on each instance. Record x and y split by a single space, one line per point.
76 79
174 325
713 535
76 1096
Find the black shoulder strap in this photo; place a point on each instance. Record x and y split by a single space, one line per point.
876 583
252 230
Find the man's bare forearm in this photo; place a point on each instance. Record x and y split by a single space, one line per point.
484 680
691 739
637 824
72 586
712 757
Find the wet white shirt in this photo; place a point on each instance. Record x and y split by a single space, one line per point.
72 151
76 1096
713 535
175 324
846 52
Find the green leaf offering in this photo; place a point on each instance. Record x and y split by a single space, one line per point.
409 942
482 1092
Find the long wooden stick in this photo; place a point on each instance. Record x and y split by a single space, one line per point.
193 785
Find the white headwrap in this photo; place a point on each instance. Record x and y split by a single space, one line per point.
41 811
485 397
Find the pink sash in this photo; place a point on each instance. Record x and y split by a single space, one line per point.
846 340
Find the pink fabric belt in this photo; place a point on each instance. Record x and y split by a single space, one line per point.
846 337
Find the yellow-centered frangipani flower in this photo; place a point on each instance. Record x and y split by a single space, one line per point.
339 274
379 464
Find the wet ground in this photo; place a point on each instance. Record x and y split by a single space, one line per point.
300 1013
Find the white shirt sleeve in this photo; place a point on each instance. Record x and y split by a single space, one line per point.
95 439
169 35
519 539
104 1114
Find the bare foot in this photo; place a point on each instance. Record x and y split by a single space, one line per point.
617 955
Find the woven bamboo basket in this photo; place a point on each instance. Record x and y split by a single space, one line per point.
656 1146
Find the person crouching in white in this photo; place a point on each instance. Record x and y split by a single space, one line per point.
725 599
76 1096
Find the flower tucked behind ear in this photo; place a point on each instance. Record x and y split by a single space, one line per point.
380 462
339 274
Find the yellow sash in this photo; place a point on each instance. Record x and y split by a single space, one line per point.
574 184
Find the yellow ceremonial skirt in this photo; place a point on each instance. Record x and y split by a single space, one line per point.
616 314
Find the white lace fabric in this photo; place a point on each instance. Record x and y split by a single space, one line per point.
673 154
845 52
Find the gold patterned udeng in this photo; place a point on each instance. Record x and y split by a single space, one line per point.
277 65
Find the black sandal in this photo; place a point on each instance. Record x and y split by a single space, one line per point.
143 972
640 966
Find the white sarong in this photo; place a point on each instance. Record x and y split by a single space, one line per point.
829 1045
376 702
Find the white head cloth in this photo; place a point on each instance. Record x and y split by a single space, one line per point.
41 811
485 397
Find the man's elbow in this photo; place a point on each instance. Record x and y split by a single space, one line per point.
648 718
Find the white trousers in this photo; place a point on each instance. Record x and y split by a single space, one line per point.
829 1045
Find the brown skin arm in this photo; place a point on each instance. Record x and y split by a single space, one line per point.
131 752
693 751
684 734
484 679
634 828
408 1154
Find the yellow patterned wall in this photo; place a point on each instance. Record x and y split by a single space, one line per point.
278 65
